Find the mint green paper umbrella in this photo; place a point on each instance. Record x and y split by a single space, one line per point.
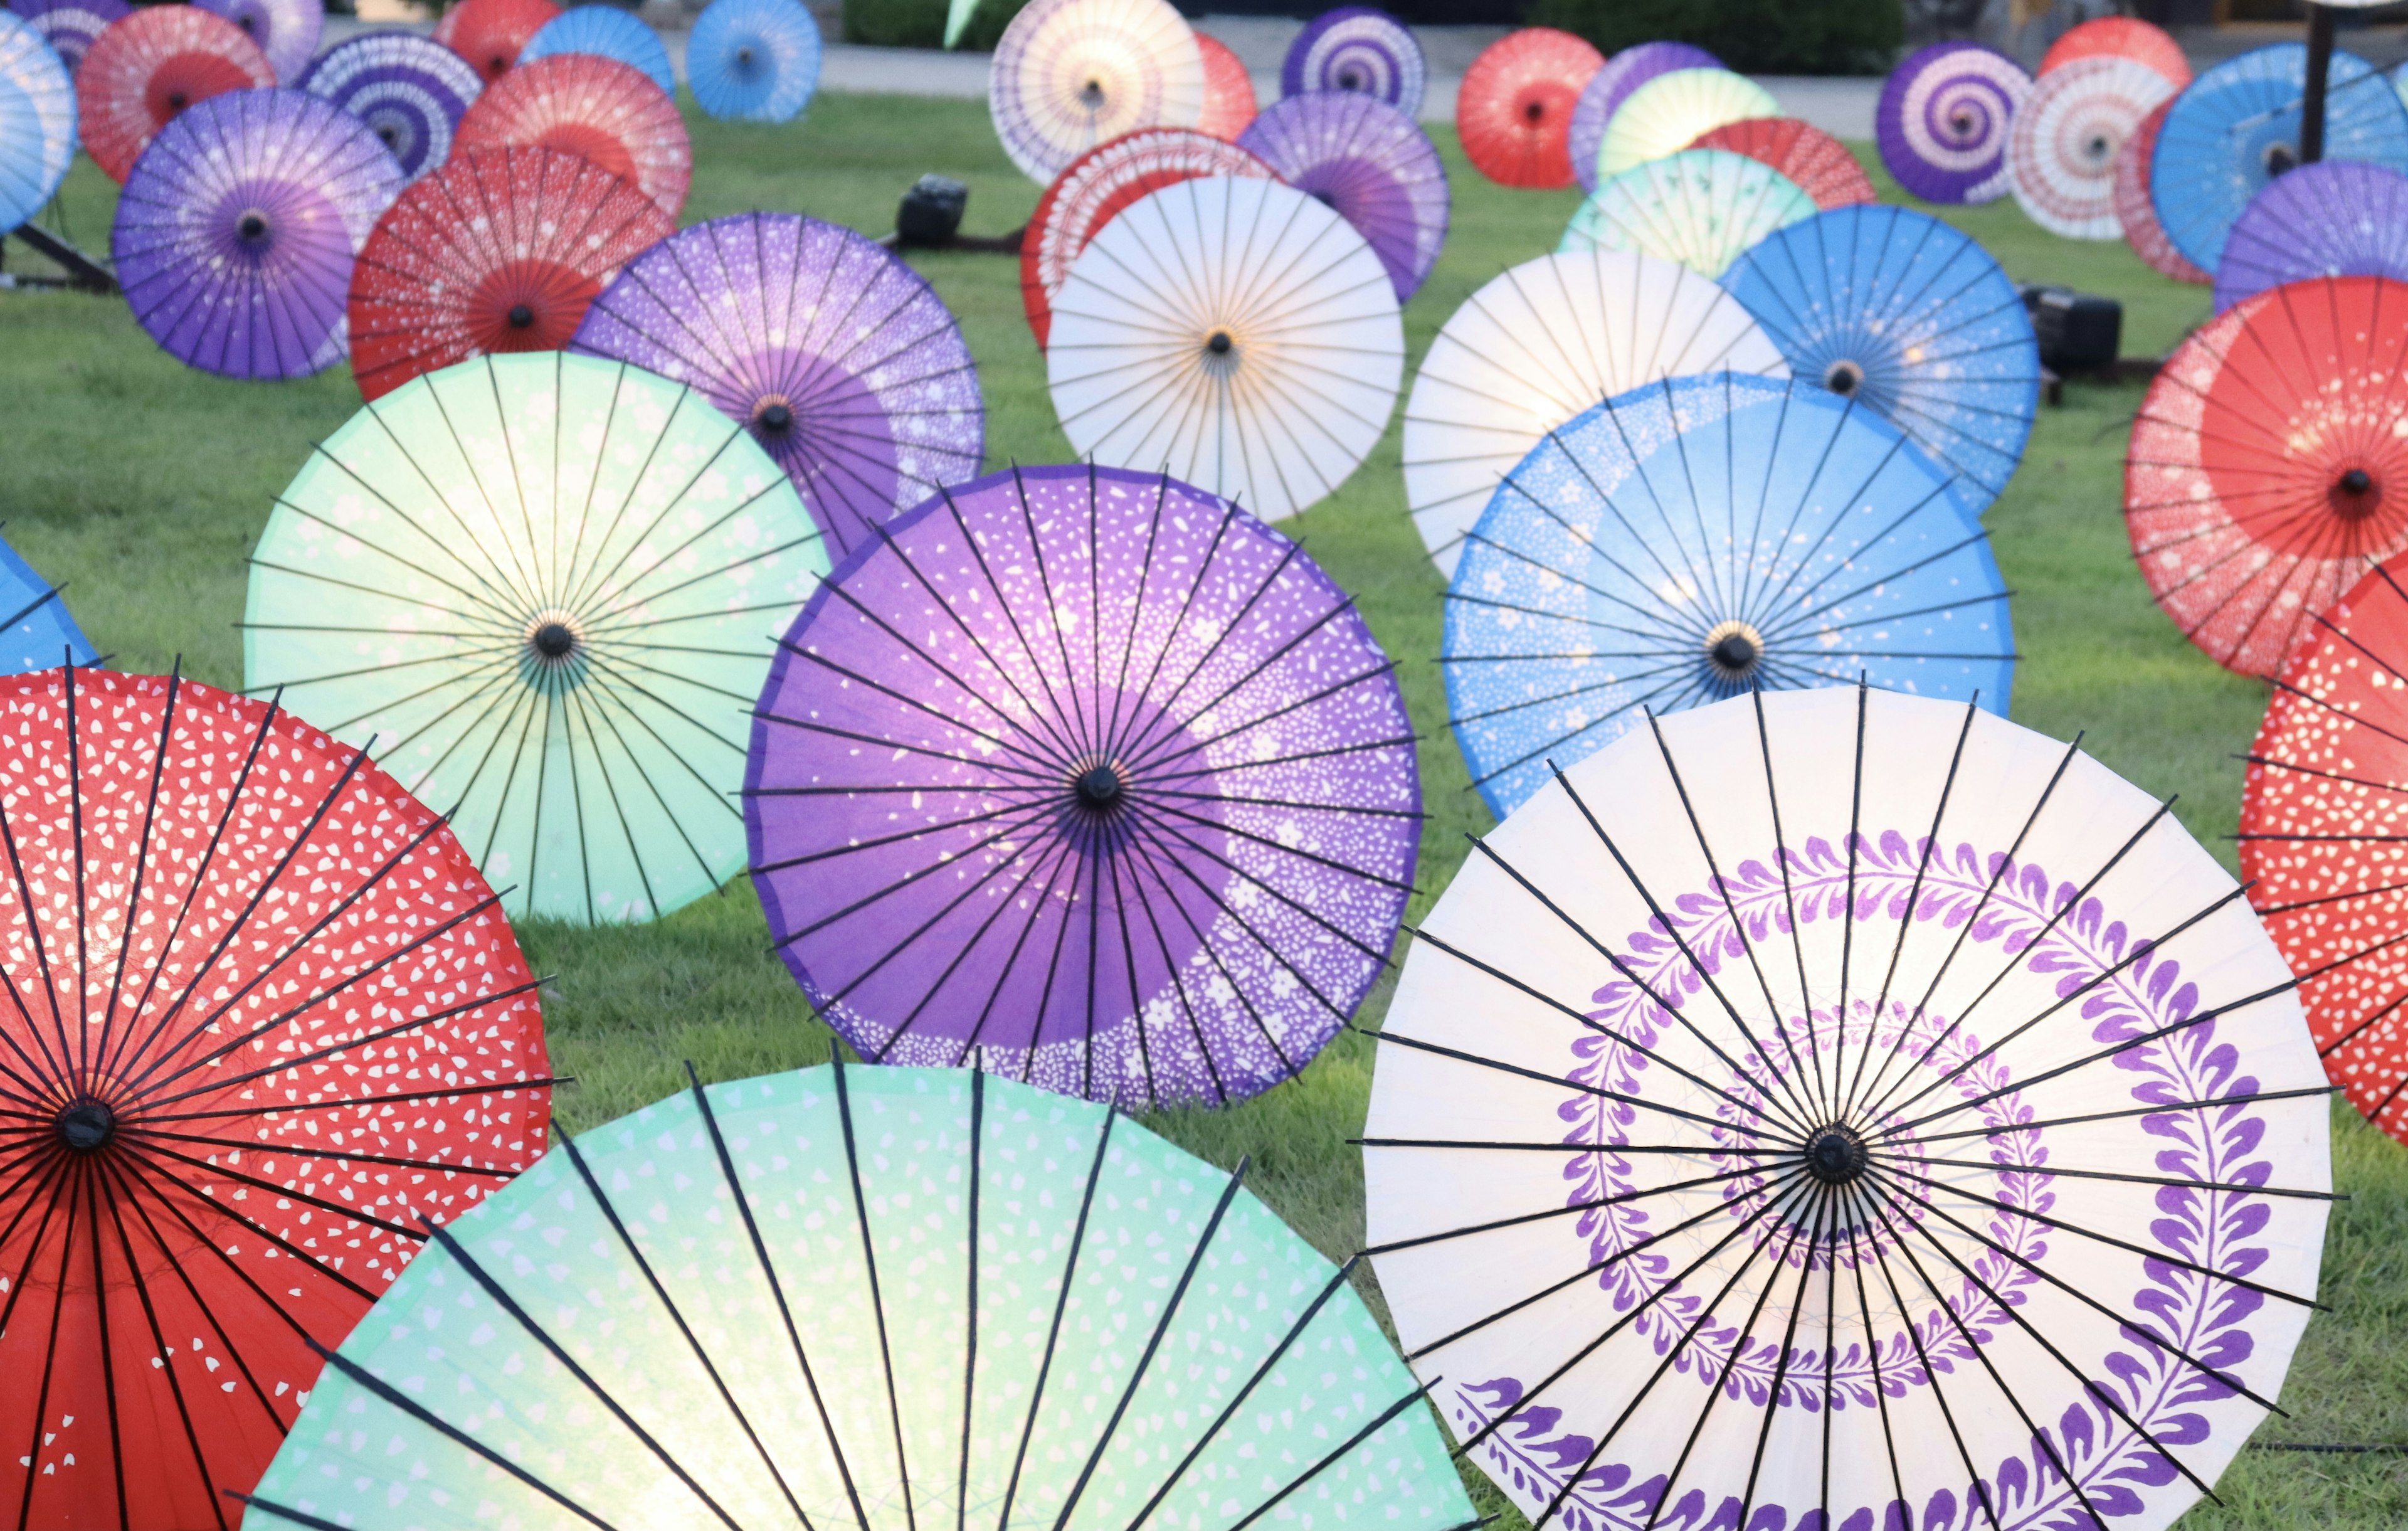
542 591
1703 208
868 1298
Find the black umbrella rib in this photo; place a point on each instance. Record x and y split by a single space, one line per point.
1029 814
575 707
1399 1039
135 1171
1061 1305
1857 1263
1289 1066
1163 832
1915 889
1172 967
1162 756
1193 818
335 1156
1377 1423
166 1350
970 1302
1037 766
50 1354
284 1192
1592 1204
1079 720
1294 803
612 617
1037 779
1052 712
141 861
1141 746
2352 1034
89 1176
2343 777
1828 1098
1235 765
2238 1188
2166 1110
1825 1215
26 901
877 1294
1061 855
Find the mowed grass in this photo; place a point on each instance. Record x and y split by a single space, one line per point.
144 485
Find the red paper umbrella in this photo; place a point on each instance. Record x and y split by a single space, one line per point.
500 250
1514 111
1228 90
593 108
1093 188
2123 38
2269 465
490 32
265 1024
1818 163
2137 210
146 68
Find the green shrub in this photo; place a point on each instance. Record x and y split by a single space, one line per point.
920 23
1755 36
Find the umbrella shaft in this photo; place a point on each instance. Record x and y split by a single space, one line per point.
2312 111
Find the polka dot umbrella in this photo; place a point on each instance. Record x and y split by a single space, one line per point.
2336 218
151 66
1071 73
609 32
1361 50
287 31
2138 213
1666 115
1611 85
1702 207
597 109
754 60
2066 136
1819 164
490 32
410 91
1943 119
38 122
1513 109
1369 162
2121 37
70 26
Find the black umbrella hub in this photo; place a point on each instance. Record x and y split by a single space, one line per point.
1843 378
1221 351
1835 1154
87 1125
252 226
773 415
1733 650
1099 788
2356 493
555 649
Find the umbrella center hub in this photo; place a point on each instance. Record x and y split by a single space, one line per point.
1835 1154
554 641
87 1125
744 55
1091 96
1733 650
1963 125
2280 158
177 100
1350 80
2356 493
1843 378
1098 789
391 135
774 415
1534 111
252 225
520 317
1221 353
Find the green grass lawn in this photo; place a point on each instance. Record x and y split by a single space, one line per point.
144 485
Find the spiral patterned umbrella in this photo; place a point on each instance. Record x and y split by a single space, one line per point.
2332 219
287 31
70 26
754 60
38 122
2137 212
1228 90
844 365
1944 118
597 109
1360 50
1611 85
490 32
1369 162
410 91
1703 208
2066 136
1666 115
1818 163
2121 37
1513 109
1071 73
151 66
609 32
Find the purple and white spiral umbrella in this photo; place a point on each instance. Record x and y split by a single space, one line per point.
410 91
1369 162
1611 85
70 26
1945 120
286 31
1092 779
1360 49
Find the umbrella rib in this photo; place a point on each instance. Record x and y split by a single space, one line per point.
1061 1305
26 902
335 1156
2235 1187
1857 1263
1399 743
645 776
1078 720
89 1175
576 715
1597 1091
1236 621
1037 907
50 1350
166 1348
1826 1213
1826 1098
1288 1066
1377 1423
1379 958
539 1083
2167 1108
877 1297
1269 843
1032 809
1593 1204
1848 916
1683 682
1112 740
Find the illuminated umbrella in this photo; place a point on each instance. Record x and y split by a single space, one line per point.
2121 37
1236 333
1666 115
410 91
1819 164
1943 119
1513 109
286 31
940 1356
609 32
1360 50
593 108
302 1034
2269 465
1155 855
754 61
542 589
1702 207
845 366
490 32
2063 144
236 236
70 26
2332 219
1699 537
1541 343
1071 73
1611 85
1842 1109
1228 90
38 122
499 250
35 631
1369 162
151 66
2138 213
1899 310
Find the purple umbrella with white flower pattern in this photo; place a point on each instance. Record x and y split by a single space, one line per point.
287 31
410 91
69 26
1370 162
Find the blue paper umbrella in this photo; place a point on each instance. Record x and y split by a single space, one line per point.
757 61
1699 537
36 631
1909 317
38 122
2237 127
610 32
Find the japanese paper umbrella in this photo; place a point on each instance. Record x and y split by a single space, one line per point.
2138 213
2336 218
1369 162
410 91
1666 115
35 631
286 31
1702 207
236 236
1942 120
1237 335
2066 136
2269 465
1071 73
1541 343
597 109
1513 109
608 32
1091 776
754 61
151 64
38 123
1360 50
1841 1108
936 1358
499 250
268 1026
1820 164
70 26
844 365
1611 85
2120 37
1697 537
1228 90
490 32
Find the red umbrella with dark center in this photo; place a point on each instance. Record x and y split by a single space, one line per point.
1514 111
265 1025
151 66
1818 163
490 32
595 108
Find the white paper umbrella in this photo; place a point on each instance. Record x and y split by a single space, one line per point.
1541 343
1237 335
1703 208
2063 145
1070 74
1666 115
1843 1108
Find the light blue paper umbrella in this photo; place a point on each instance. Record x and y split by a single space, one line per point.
36 631
1698 537
1905 314
38 122
757 60
605 30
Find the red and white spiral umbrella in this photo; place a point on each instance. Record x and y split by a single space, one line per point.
2066 138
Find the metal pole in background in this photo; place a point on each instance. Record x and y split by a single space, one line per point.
2312 111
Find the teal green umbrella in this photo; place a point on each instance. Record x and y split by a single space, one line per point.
868 1297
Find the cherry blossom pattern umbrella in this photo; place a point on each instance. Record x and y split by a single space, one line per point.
287 31
1360 50
597 109
1071 73
70 26
1097 187
1235 334
35 631
1820 164
38 122
499 250
1151 854
1611 85
609 32
1943 121
303 1034
1228 90
410 91
2063 144
490 32
151 66
236 234
1703 208
1513 109
843 363
2120 37
2336 218
1369 162
2138 213
754 60
1666 115
2269 466
1841 1108
541 590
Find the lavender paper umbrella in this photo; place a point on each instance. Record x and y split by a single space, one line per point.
1369 162
1090 777
1943 121
410 91
69 26
1361 50
286 31
1611 85
2335 217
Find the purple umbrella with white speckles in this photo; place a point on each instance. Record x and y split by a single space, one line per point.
2335 217
69 26
1371 163
286 31
1610 86
1092 778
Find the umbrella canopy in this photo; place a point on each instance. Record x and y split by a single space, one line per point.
1819 164
2138 213
149 67
1151 855
1702 207
1885 1077
1699 537
540 589
322 1042
499 250
1666 115
410 91
841 361
35 631
597 109
1369 162
286 31
1912 318
1942 121
490 32
236 234
606 32
2120 37
2332 219
1611 85
2063 145
1228 90
1513 109
1541 343
1360 49
70 26
920 1357
1235 334
2269 465
1097 187
1071 73
38 122
754 61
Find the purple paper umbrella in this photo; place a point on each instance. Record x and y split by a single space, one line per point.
1611 85
69 26
2335 217
1357 49
1092 778
845 366
410 91
1371 163
1944 118
237 231
285 30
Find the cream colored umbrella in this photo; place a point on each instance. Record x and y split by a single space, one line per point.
1070 74
1666 115
1703 208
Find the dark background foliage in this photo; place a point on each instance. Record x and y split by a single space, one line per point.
1754 37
